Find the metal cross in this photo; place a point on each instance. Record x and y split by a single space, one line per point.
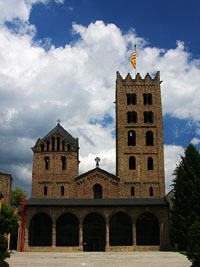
58 121
97 159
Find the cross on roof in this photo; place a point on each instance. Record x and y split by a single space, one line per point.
59 121
97 159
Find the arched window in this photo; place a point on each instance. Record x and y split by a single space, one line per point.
47 163
40 230
53 143
132 117
62 190
63 145
132 191
97 189
47 145
120 230
131 99
148 117
58 143
151 191
129 119
68 147
147 230
132 163
149 138
150 163
131 138
147 99
45 190
64 161
42 147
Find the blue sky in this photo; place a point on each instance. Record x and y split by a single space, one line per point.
57 55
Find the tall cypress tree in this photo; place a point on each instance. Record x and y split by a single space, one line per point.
186 200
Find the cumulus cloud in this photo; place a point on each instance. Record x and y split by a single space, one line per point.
12 9
172 157
76 83
195 141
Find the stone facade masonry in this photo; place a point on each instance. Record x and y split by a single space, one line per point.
5 187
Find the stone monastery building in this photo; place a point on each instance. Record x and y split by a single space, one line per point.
99 211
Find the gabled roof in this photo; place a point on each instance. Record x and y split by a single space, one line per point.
59 129
97 169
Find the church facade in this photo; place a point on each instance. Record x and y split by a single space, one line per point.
97 210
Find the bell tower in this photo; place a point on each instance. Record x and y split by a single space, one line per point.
55 165
139 137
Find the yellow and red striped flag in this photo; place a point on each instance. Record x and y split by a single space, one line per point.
133 59
0 204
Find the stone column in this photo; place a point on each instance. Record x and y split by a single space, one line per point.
26 239
81 236
107 237
53 235
134 233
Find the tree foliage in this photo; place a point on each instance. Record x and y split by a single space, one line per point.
17 195
193 247
8 225
186 200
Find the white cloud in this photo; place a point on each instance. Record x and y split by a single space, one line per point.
11 9
172 157
77 84
59 1
195 141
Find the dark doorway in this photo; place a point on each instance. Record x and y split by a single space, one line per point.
147 230
120 230
94 233
67 230
40 230
13 241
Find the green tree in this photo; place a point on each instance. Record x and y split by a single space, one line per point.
193 248
186 200
8 225
17 195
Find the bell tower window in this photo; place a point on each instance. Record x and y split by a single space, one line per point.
131 138
132 163
149 138
147 99
131 99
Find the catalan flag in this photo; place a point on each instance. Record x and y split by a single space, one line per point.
133 59
0 204
15 211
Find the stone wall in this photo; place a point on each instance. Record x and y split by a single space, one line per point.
5 187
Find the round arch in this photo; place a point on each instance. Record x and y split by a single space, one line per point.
120 230
147 230
67 230
40 230
94 232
